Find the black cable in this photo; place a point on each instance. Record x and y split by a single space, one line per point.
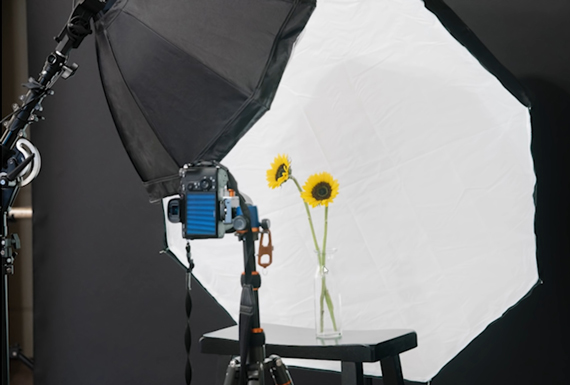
188 334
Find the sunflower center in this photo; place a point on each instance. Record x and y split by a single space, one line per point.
321 191
280 171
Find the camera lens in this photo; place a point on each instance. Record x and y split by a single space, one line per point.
205 184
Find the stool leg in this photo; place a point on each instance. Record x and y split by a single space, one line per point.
392 370
352 374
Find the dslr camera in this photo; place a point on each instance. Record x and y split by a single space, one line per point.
207 208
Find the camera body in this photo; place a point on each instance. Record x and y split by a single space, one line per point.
206 207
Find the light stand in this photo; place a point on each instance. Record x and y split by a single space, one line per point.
7 267
9 184
15 162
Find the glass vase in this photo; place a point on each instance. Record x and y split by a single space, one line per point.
328 307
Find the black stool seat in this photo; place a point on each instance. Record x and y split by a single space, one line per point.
352 349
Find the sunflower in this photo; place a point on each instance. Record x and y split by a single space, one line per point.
279 172
320 189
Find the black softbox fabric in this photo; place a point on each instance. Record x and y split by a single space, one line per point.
185 80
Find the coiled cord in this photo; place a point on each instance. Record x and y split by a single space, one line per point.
188 334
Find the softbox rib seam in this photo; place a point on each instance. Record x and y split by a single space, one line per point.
105 34
225 80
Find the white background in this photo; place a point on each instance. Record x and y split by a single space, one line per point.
434 219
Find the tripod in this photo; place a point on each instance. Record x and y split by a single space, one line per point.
252 337
252 365
273 364
18 153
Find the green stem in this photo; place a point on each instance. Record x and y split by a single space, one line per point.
310 220
331 308
325 296
322 308
325 290
325 236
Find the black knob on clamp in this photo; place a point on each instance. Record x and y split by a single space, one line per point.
240 223
12 175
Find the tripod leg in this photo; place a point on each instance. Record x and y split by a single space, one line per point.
279 371
221 368
232 373
253 373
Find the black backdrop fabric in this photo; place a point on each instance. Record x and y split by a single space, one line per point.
109 308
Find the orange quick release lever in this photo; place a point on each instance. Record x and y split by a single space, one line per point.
265 250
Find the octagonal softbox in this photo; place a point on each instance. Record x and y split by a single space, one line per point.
434 217
185 80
